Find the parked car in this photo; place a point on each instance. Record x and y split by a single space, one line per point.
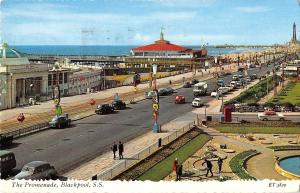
240 76
214 94
60 121
252 66
253 76
8 162
104 109
118 105
195 81
220 83
150 94
187 85
235 77
270 116
248 79
170 90
179 99
6 140
162 92
36 170
197 102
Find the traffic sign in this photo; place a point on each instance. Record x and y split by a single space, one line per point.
155 106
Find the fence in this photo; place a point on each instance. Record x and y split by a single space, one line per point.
141 155
28 130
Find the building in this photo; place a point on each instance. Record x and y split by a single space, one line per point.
165 54
20 79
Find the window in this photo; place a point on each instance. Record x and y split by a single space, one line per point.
49 79
60 78
54 79
66 77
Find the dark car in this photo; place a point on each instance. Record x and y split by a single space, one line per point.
195 81
162 92
170 90
118 105
104 109
8 162
5 140
60 121
253 76
187 85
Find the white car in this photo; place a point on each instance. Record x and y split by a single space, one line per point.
213 94
197 102
270 116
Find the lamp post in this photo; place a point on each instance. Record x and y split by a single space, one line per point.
155 100
11 88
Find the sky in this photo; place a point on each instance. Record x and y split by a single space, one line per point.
139 22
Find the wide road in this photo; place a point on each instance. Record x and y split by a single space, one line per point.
89 137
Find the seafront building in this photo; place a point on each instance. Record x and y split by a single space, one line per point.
165 54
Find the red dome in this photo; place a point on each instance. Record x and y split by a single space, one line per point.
160 47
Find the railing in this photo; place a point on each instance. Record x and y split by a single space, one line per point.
117 169
28 130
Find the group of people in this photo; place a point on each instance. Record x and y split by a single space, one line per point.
209 166
177 168
119 147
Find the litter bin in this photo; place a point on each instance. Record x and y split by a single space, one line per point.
159 142
209 118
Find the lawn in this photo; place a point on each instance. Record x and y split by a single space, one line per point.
164 168
257 129
290 94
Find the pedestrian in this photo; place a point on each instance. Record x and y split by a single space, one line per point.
209 167
220 163
121 150
179 172
114 148
170 81
175 164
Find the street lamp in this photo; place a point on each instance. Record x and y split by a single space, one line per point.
155 100
11 92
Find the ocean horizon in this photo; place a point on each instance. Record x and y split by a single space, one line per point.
109 50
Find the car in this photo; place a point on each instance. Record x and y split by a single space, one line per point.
6 140
248 79
197 102
195 81
150 94
179 99
270 116
252 66
240 76
235 77
60 121
214 94
187 85
162 92
220 83
8 162
104 109
170 90
118 105
36 170
253 76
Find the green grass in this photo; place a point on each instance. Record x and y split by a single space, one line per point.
164 168
292 90
285 147
237 164
260 129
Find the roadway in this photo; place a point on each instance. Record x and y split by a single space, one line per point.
90 137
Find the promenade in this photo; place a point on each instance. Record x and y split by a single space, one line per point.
78 106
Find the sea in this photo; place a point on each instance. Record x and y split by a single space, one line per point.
102 50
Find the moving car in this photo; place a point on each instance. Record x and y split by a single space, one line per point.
118 104
187 85
252 66
104 109
8 162
235 77
170 90
36 170
162 92
270 116
179 99
200 89
197 102
214 94
240 76
220 83
150 94
60 121
195 81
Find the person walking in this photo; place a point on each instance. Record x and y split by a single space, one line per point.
175 165
121 150
114 148
209 167
179 172
220 163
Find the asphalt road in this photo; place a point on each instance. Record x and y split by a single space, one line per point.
92 136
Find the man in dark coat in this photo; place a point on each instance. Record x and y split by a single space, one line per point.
121 150
114 148
179 173
209 167
220 163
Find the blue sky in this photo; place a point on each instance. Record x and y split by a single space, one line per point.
138 22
